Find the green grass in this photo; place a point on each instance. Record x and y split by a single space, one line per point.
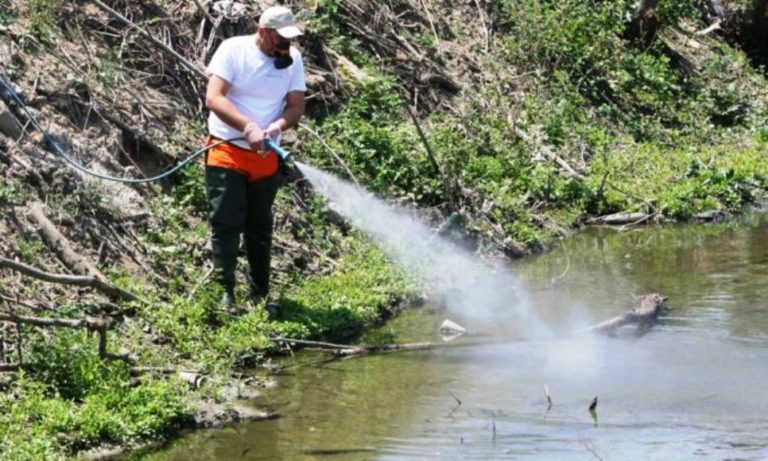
679 182
71 400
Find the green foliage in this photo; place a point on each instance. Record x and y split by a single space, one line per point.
583 45
356 294
108 73
200 330
678 181
30 249
42 15
190 189
7 12
70 364
71 399
378 145
175 240
328 26
596 84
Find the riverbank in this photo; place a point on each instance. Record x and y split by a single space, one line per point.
683 390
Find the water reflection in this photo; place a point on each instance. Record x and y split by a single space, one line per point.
693 387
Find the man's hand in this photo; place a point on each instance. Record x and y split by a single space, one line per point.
254 136
274 132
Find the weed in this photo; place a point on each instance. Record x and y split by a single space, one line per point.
30 249
41 25
7 12
11 192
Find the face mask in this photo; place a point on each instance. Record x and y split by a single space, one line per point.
282 53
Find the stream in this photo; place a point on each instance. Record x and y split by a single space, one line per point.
694 387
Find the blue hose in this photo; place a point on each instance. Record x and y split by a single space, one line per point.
13 93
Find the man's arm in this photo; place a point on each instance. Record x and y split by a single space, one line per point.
216 100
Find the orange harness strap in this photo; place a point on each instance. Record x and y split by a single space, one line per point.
249 163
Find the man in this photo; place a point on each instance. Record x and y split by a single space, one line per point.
255 90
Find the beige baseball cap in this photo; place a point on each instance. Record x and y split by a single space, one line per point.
281 19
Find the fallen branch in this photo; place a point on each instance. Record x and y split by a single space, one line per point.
622 218
205 12
91 282
481 17
18 301
60 245
350 350
648 310
99 326
713 27
188 64
548 151
639 221
644 315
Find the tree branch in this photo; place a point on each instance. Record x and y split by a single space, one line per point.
188 64
91 282
450 194
60 245
100 326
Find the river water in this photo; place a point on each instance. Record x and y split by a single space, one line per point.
694 387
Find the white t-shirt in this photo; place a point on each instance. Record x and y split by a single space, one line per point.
257 88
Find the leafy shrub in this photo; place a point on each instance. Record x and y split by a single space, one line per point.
380 148
42 15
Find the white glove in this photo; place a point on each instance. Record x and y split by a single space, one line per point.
274 132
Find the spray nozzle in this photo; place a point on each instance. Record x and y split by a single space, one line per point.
282 153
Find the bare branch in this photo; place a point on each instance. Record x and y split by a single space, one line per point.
100 326
82 281
188 64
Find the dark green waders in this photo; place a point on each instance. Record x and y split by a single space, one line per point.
240 207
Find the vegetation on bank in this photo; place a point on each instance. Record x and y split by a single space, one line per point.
673 129
72 400
566 116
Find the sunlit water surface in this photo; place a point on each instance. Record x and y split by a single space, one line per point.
694 387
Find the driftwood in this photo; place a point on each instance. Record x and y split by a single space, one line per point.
195 379
644 315
351 350
620 218
81 281
550 153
